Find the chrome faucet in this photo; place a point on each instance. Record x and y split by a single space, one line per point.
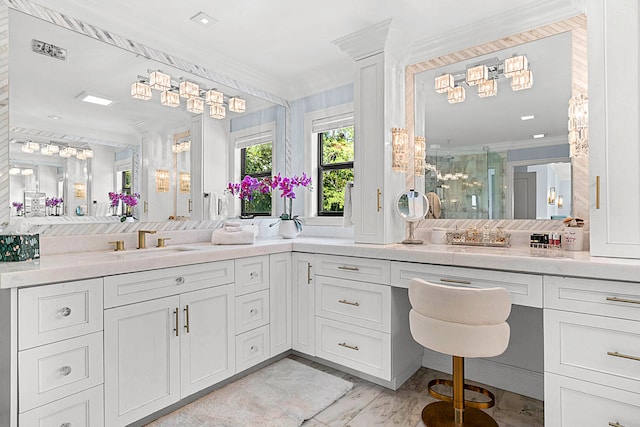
142 244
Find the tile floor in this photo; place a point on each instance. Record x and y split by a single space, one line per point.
368 404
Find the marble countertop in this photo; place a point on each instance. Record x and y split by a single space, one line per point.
76 266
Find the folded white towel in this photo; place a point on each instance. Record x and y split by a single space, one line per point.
347 220
232 229
243 237
232 224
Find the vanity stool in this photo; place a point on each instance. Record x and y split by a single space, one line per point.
462 322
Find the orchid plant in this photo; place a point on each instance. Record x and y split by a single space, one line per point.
129 200
18 206
287 185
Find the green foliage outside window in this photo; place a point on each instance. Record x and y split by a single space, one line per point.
257 162
335 168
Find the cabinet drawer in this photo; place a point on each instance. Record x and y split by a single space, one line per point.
56 312
357 303
251 274
354 347
252 311
84 409
525 289
592 348
603 297
569 402
252 348
145 285
57 370
363 269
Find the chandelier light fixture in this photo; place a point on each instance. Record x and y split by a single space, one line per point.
399 141
485 76
52 148
172 90
578 126
30 147
181 146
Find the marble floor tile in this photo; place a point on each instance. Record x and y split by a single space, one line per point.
313 423
393 408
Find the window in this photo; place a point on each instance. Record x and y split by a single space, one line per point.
335 169
256 160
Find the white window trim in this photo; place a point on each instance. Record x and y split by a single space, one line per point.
311 163
234 159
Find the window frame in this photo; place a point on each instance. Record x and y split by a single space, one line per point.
321 168
243 159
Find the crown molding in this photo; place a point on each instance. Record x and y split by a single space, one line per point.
366 42
510 22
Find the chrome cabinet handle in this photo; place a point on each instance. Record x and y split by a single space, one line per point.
253 274
175 314
461 282
624 356
253 311
348 268
614 424
344 301
65 311
180 280
64 371
253 348
65 425
186 317
352 347
308 273
630 301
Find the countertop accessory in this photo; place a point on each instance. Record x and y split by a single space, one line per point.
474 237
546 244
119 245
412 206
162 241
142 244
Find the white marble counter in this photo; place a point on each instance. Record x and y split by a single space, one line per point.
75 266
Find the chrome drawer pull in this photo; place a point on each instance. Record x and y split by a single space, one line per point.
630 301
180 280
344 301
69 424
349 268
612 424
461 282
253 275
344 344
624 356
253 348
253 311
308 273
65 311
65 370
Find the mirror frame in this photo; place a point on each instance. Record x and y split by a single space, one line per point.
57 18
577 25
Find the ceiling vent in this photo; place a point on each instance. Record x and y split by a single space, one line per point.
48 49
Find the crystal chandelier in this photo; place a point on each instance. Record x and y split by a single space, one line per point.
420 151
399 140
485 76
172 90
578 126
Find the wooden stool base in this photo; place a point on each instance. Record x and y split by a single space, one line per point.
440 414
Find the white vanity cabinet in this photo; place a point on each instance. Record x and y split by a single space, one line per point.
592 377
614 126
158 351
280 302
60 357
362 322
303 303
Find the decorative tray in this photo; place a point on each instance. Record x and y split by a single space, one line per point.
474 237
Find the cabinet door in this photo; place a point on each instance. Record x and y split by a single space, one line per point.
614 160
303 299
142 350
280 302
207 332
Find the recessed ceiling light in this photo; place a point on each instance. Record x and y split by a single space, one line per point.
527 117
94 99
203 18
539 135
53 117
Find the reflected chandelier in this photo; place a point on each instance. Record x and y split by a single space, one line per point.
171 90
50 149
579 126
485 76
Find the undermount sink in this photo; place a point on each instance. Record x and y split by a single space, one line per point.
151 252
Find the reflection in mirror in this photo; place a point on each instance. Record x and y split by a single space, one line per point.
412 206
132 140
478 148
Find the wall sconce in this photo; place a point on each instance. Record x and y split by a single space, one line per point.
399 141
162 181
560 201
579 126
181 147
79 191
185 183
551 197
420 151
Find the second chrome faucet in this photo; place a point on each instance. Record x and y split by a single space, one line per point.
142 243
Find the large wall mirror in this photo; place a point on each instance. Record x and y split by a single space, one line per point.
507 155
177 160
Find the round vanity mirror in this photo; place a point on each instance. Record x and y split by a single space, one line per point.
412 206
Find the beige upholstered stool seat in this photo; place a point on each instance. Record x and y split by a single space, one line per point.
462 322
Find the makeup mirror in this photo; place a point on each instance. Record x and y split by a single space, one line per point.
412 206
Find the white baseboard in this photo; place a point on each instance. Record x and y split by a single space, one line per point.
505 377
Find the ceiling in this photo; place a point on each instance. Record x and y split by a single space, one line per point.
286 46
